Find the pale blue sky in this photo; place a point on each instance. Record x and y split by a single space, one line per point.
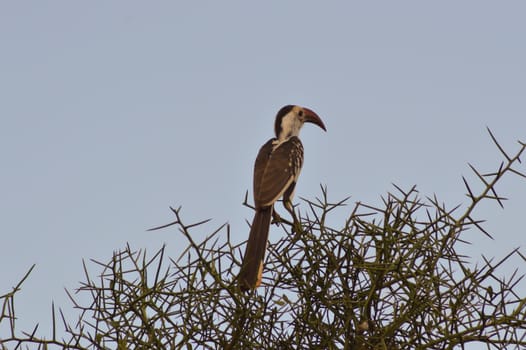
112 111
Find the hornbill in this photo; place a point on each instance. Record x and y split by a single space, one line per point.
276 172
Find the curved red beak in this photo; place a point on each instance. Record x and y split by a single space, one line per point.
311 117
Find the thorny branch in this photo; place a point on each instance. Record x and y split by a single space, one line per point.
388 277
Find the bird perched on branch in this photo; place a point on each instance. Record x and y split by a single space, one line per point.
276 172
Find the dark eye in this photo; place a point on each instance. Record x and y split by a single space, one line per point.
300 113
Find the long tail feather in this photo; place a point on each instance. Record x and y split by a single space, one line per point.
252 266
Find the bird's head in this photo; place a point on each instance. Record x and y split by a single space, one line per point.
290 119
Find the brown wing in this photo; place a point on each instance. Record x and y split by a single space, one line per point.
275 170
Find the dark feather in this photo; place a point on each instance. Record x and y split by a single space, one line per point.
249 276
281 113
276 170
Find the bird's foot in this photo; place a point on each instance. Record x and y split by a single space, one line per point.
295 224
276 218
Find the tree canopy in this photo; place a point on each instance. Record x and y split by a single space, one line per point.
389 276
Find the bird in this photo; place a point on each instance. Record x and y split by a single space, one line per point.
276 171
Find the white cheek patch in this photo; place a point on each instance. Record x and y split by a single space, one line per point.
290 126
287 122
